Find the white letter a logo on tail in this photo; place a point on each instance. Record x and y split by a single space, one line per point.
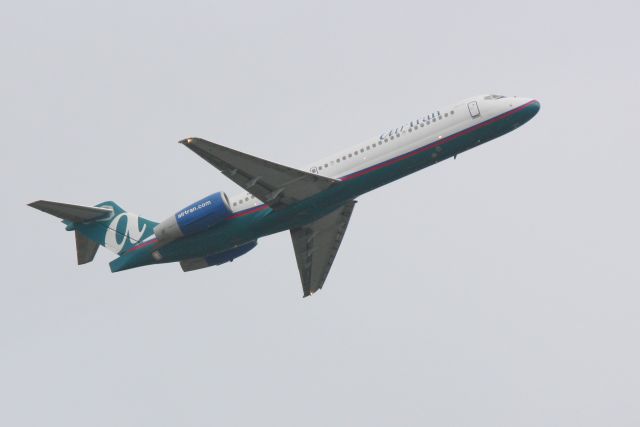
131 232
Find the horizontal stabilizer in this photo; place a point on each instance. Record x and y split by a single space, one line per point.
85 248
73 213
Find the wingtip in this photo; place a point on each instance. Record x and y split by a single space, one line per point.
36 204
309 293
193 140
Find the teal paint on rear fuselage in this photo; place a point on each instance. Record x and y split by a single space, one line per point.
262 221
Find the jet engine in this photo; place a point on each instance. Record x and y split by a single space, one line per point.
217 259
195 218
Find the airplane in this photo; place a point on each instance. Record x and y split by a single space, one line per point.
314 203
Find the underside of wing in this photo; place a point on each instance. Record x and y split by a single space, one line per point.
272 183
316 245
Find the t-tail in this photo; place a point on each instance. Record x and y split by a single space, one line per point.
105 224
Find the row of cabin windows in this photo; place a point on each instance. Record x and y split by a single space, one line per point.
390 136
246 199
367 148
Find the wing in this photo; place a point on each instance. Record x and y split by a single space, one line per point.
317 244
274 184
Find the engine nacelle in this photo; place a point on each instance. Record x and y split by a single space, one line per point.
195 218
217 259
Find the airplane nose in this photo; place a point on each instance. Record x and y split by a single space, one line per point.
531 107
534 105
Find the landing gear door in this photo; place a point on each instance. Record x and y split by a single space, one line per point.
473 109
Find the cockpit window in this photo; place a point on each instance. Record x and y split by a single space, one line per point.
494 97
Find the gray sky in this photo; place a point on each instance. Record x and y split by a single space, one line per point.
507 295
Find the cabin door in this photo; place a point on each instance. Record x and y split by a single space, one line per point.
473 109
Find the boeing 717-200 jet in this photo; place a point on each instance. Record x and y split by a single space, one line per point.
314 203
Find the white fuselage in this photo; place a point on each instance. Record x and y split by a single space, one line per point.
410 136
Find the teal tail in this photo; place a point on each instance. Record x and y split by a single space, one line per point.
105 224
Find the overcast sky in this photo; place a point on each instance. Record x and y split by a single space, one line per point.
499 289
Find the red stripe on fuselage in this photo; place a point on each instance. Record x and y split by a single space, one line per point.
142 245
248 211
